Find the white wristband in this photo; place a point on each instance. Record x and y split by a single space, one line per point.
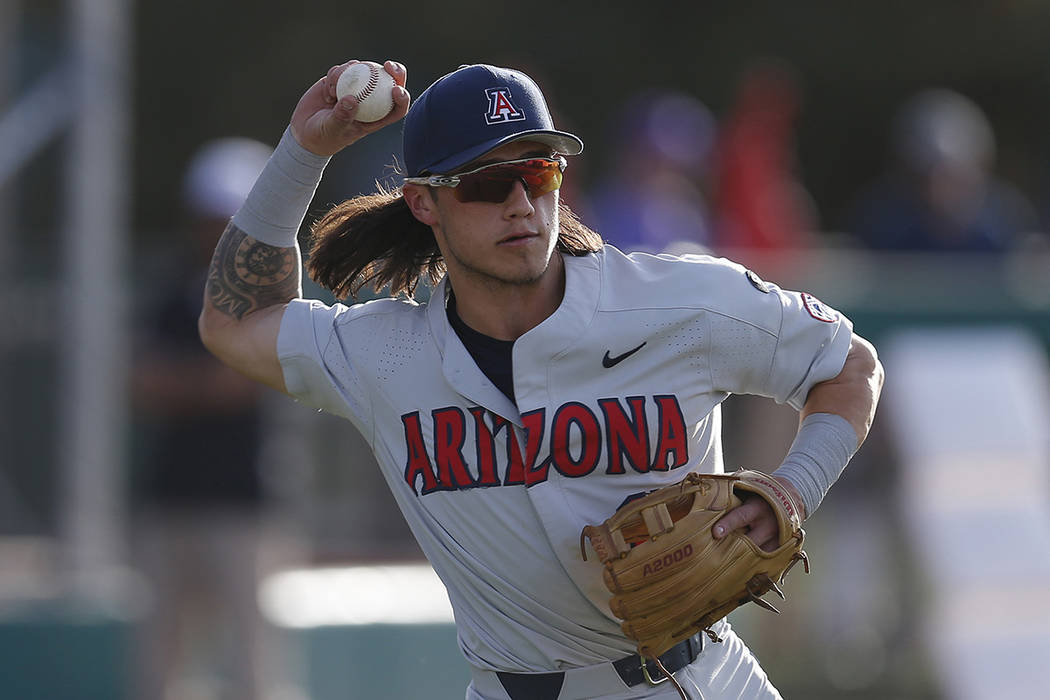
276 206
824 445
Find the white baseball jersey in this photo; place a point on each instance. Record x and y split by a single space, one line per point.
617 393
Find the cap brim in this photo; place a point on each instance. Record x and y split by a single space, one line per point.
562 142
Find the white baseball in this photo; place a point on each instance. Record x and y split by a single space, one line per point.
370 84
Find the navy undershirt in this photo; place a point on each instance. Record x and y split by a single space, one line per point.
494 357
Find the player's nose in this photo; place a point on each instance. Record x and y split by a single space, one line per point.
518 202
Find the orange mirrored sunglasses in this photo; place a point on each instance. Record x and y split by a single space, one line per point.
494 182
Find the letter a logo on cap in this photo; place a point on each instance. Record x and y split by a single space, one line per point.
501 108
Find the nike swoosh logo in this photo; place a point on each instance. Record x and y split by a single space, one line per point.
608 362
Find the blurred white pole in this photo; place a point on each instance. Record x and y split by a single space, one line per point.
8 64
94 316
39 115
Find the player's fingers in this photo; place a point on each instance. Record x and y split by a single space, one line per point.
335 71
401 99
400 108
397 71
763 532
740 517
345 111
330 79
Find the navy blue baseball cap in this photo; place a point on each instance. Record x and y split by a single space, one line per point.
472 110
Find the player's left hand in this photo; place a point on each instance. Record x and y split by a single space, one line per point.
756 519
660 590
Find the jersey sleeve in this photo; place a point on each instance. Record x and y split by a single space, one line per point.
812 345
775 343
316 368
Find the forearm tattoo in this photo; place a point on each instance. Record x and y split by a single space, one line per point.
246 275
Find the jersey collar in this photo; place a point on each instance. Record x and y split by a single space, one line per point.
532 351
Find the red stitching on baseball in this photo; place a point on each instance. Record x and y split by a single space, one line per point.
373 82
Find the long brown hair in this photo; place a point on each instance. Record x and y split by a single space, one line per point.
375 240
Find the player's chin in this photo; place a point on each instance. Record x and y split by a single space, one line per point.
522 278
524 264
526 273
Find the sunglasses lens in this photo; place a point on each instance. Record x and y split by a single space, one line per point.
542 181
482 187
494 184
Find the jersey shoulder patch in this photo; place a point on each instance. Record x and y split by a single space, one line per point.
818 310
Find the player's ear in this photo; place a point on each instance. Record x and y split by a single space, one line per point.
421 203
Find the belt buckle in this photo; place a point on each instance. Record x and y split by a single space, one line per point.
648 678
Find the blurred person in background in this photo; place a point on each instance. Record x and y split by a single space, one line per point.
653 200
760 201
198 495
940 194
761 210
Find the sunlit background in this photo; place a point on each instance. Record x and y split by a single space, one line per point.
170 532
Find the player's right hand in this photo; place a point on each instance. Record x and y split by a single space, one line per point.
324 125
756 519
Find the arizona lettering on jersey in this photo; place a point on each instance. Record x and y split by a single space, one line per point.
463 453
501 107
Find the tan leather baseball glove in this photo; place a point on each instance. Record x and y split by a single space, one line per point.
670 577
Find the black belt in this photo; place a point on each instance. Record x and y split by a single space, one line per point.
632 669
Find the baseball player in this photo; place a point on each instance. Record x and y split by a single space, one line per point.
548 380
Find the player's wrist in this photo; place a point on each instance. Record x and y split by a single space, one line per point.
308 147
793 494
823 447
276 206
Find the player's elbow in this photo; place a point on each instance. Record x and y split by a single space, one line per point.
862 375
865 364
213 327
248 344
854 393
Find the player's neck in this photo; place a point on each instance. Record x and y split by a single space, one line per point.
508 311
